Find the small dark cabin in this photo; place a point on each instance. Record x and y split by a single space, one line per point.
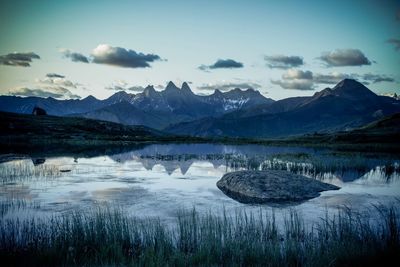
38 111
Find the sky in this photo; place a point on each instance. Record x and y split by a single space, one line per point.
72 49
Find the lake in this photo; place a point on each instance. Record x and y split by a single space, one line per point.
160 180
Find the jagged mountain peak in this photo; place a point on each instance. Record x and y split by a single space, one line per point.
347 88
217 92
120 93
149 91
185 85
171 86
89 98
252 91
348 82
119 96
352 89
185 88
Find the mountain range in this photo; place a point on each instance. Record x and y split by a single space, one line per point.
236 113
156 109
348 105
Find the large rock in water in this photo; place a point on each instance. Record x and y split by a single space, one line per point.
271 186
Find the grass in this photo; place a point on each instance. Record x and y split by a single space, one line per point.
11 172
108 237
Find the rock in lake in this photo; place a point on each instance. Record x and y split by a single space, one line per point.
271 186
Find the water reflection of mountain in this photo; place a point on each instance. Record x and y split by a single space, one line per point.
317 163
171 166
182 156
210 149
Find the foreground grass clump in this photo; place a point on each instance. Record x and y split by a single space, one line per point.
108 237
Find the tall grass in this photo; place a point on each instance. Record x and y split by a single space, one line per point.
22 170
107 236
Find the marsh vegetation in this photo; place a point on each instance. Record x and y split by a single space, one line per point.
108 237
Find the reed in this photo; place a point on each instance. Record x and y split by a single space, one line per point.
109 237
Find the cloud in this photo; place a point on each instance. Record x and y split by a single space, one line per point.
295 84
227 86
331 78
296 79
74 56
395 43
223 64
50 86
377 78
344 57
305 80
297 74
57 81
18 59
121 85
54 75
121 57
137 89
283 62
55 92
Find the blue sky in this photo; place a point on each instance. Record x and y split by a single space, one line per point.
151 42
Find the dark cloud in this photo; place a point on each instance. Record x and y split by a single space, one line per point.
377 78
54 92
118 56
345 57
226 64
229 86
296 79
283 62
395 43
18 59
54 75
223 64
74 56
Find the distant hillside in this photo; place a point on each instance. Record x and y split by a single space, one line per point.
19 129
386 130
390 124
127 114
380 135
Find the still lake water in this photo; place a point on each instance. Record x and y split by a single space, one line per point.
160 180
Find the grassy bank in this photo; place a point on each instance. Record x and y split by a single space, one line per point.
107 237
30 133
